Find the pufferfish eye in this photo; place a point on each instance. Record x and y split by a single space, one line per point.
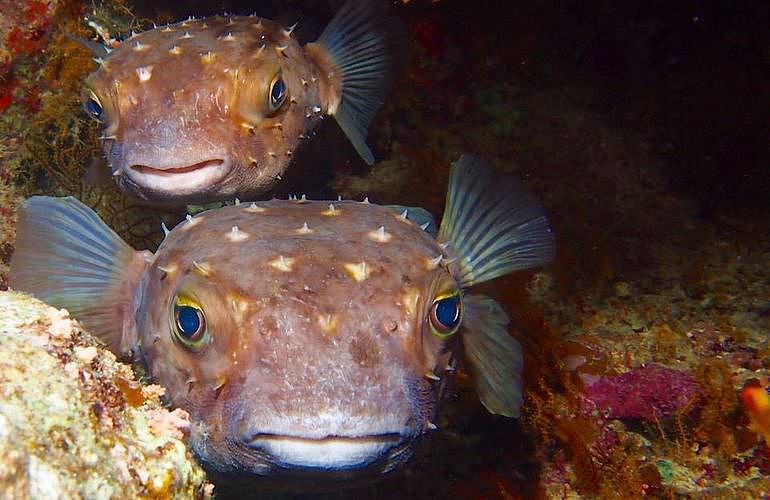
189 323
445 314
93 106
277 94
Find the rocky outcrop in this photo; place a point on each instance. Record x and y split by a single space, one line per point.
74 422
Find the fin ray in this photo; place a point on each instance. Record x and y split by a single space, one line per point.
66 256
96 48
494 224
363 40
494 357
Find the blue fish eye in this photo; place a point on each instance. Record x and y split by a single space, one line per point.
93 107
190 324
277 93
445 315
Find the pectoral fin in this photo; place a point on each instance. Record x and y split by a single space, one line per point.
494 357
68 257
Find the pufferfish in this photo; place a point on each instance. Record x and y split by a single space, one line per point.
305 338
213 108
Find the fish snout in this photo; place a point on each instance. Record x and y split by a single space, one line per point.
177 177
170 164
313 411
379 451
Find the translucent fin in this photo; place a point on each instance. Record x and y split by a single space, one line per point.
418 216
67 257
96 48
493 223
363 40
494 357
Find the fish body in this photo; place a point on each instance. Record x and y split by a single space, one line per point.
308 336
214 108
303 337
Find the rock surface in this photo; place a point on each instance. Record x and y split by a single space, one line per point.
74 422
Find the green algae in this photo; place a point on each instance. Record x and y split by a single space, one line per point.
666 470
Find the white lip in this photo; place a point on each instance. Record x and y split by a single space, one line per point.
181 180
327 453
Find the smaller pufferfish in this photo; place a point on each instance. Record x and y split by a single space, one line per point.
306 339
213 108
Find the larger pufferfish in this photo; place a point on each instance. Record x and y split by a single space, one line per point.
304 338
208 109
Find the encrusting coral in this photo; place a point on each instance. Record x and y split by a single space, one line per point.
75 423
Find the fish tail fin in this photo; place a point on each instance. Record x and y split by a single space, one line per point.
67 257
493 223
493 356
358 55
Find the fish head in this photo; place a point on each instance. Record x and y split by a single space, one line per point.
301 337
204 109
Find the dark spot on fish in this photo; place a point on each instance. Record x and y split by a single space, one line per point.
405 279
390 325
364 351
267 326
218 389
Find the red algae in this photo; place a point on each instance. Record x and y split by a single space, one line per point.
648 393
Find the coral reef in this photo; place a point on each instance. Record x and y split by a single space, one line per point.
24 28
75 423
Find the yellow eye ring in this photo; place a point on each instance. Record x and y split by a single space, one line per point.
188 323
446 314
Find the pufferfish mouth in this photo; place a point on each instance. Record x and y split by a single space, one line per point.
328 453
180 179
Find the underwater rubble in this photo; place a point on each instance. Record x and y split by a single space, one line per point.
75 423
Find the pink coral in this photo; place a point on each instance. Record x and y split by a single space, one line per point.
647 392
174 423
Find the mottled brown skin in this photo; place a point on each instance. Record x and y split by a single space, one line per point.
185 107
308 349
